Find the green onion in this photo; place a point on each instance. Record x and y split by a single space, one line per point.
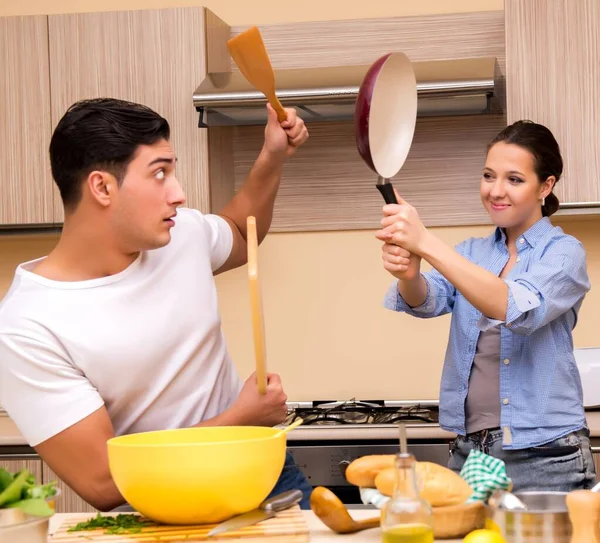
120 524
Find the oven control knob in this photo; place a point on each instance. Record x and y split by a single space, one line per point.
343 465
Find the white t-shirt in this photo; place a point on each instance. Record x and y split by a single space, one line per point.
146 342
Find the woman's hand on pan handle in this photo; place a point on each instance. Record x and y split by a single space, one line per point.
483 289
406 267
397 259
402 226
402 264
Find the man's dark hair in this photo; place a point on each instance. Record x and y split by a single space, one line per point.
100 134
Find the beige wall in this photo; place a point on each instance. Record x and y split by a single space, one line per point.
327 334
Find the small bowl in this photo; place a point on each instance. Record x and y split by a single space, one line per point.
51 501
17 526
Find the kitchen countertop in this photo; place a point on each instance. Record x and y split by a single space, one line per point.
368 431
319 533
10 435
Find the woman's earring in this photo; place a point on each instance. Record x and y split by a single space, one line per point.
543 202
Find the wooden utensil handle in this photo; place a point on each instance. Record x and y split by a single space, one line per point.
367 523
279 109
584 513
258 325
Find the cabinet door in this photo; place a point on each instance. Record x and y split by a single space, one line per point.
155 57
596 457
26 186
33 465
69 501
553 77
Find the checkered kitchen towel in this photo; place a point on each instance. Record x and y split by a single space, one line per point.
484 474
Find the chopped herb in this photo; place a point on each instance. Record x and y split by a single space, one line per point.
119 524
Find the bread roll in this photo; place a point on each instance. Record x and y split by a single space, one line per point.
438 485
362 471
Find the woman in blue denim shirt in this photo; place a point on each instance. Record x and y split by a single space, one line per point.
510 386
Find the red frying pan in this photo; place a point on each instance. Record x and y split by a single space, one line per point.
385 117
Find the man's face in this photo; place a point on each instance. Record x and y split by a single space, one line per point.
145 204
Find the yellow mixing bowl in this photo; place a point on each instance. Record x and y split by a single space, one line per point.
197 475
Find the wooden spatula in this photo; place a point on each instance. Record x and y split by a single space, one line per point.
249 53
333 513
258 322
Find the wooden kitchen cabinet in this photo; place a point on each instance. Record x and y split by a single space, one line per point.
155 57
596 457
326 185
69 501
159 56
553 77
32 464
26 189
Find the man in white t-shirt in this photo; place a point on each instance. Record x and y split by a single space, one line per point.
117 330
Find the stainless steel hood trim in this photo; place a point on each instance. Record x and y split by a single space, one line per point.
337 94
444 87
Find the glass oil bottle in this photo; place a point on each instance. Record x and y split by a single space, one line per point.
406 517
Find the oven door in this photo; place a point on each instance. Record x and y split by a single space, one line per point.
324 462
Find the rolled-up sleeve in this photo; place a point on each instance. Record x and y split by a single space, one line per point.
553 285
440 293
439 299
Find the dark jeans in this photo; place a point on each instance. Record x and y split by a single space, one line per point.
562 465
292 478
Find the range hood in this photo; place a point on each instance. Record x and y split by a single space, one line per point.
447 87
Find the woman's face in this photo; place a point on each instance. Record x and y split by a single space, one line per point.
511 191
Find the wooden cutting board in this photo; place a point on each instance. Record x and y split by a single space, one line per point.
287 526
258 320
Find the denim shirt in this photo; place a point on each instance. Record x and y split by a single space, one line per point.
540 395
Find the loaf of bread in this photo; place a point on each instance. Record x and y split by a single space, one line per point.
362 471
438 485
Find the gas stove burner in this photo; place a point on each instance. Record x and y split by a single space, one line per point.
393 416
358 412
319 415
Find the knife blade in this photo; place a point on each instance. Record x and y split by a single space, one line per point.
265 510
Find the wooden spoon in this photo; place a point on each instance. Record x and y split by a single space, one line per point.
258 321
285 430
249 53
332 512
584 512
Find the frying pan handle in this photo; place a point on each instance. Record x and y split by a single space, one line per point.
387 191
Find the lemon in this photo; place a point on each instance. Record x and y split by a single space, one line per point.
491 525
484 536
